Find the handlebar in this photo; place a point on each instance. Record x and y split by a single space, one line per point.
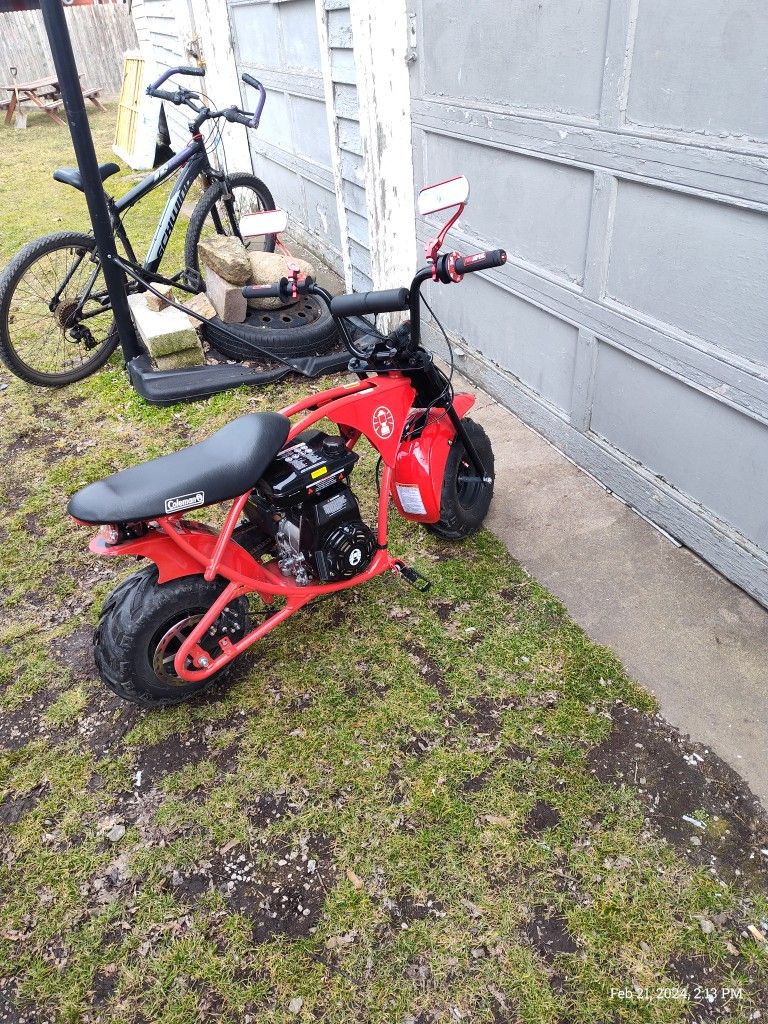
255 84
480 261
392 300
282 290
184 96
197 72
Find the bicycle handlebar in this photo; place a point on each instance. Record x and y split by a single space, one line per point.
197 72
255 84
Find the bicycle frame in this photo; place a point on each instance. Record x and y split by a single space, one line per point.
194 161
376 407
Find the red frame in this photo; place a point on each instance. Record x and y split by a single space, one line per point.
377 408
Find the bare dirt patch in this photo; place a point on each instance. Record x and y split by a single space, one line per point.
679 783
279 886
170 755
548 933
75 652
541 817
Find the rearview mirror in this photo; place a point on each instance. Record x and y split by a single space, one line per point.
434 198
267 222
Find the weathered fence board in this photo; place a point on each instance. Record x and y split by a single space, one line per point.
100 36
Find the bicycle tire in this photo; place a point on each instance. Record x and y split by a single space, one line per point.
10 279
208 200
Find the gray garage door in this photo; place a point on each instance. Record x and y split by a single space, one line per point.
617 149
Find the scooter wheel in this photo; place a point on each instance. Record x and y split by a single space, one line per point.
141 627
465 499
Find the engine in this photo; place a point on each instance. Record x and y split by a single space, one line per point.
305 504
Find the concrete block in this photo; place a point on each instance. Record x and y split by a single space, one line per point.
201 305
227 299
227 257
179 360
162 333
269 268
156 302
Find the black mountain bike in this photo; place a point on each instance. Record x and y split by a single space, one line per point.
56 324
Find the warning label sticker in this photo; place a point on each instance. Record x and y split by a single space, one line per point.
410 499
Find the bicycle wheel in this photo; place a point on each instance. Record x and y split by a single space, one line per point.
216 215
56 323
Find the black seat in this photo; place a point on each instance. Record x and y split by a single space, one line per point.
226 464
71 175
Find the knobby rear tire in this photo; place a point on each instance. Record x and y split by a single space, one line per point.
133 615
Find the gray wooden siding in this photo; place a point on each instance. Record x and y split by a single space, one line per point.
617 150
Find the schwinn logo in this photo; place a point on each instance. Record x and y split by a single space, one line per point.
184 501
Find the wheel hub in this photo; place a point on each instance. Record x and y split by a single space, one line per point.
168 646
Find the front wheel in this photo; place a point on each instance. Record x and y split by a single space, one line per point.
142 626
465 497
220 209
56 324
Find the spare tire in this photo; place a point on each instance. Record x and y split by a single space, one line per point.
303 329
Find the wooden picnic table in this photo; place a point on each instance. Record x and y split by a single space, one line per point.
45 94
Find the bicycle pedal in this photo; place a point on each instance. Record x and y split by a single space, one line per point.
414 578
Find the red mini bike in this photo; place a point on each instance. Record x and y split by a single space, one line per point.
294 529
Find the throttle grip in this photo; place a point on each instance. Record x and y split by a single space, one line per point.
480 261
392 300
282 290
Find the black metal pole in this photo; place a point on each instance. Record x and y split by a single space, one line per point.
82 141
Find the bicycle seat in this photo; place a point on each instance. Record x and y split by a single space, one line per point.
71 175
226 464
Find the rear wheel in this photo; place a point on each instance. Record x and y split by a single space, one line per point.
465 498
219 212
56 322
142 626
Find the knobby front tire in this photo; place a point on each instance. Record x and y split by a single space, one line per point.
465 500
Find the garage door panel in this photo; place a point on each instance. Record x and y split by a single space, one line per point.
539 209
701 66
535 346
256 32
308 117
693 263
544 56
275 126
300 47
322 216
711 452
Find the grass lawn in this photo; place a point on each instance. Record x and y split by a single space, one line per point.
403 809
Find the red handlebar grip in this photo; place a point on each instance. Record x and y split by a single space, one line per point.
481 261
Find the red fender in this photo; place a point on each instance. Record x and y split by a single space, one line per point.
172 562
417 482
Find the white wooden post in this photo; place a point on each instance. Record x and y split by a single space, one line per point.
380 33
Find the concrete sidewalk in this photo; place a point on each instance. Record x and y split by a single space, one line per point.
698 643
